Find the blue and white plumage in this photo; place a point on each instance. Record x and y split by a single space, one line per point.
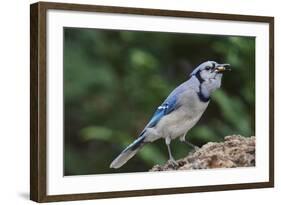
179 112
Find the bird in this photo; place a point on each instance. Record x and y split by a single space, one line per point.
179 112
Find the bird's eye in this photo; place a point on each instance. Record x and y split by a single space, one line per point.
208 68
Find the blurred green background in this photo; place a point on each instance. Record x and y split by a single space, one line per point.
114 81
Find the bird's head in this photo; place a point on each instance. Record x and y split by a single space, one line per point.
210 70
209 75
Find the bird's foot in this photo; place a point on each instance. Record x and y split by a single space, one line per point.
194 147
173 162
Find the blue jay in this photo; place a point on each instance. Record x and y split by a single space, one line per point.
179 112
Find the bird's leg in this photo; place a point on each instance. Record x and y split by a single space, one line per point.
182 139
171 158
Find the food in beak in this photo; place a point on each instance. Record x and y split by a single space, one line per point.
222 68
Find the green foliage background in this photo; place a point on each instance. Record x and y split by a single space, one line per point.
114 81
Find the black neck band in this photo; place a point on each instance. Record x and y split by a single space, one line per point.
202 97
200 94
198 76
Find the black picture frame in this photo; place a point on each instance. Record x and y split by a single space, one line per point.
38 106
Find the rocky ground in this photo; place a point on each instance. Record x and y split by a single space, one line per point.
234 151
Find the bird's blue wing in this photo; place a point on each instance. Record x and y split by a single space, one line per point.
167 107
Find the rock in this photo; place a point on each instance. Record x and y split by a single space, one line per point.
235 151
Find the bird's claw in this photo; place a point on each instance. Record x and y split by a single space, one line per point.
196 148
173 162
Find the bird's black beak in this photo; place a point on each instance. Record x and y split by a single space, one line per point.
222 67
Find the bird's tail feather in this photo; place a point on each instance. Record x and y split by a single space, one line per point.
128 153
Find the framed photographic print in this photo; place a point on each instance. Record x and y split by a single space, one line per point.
134 102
